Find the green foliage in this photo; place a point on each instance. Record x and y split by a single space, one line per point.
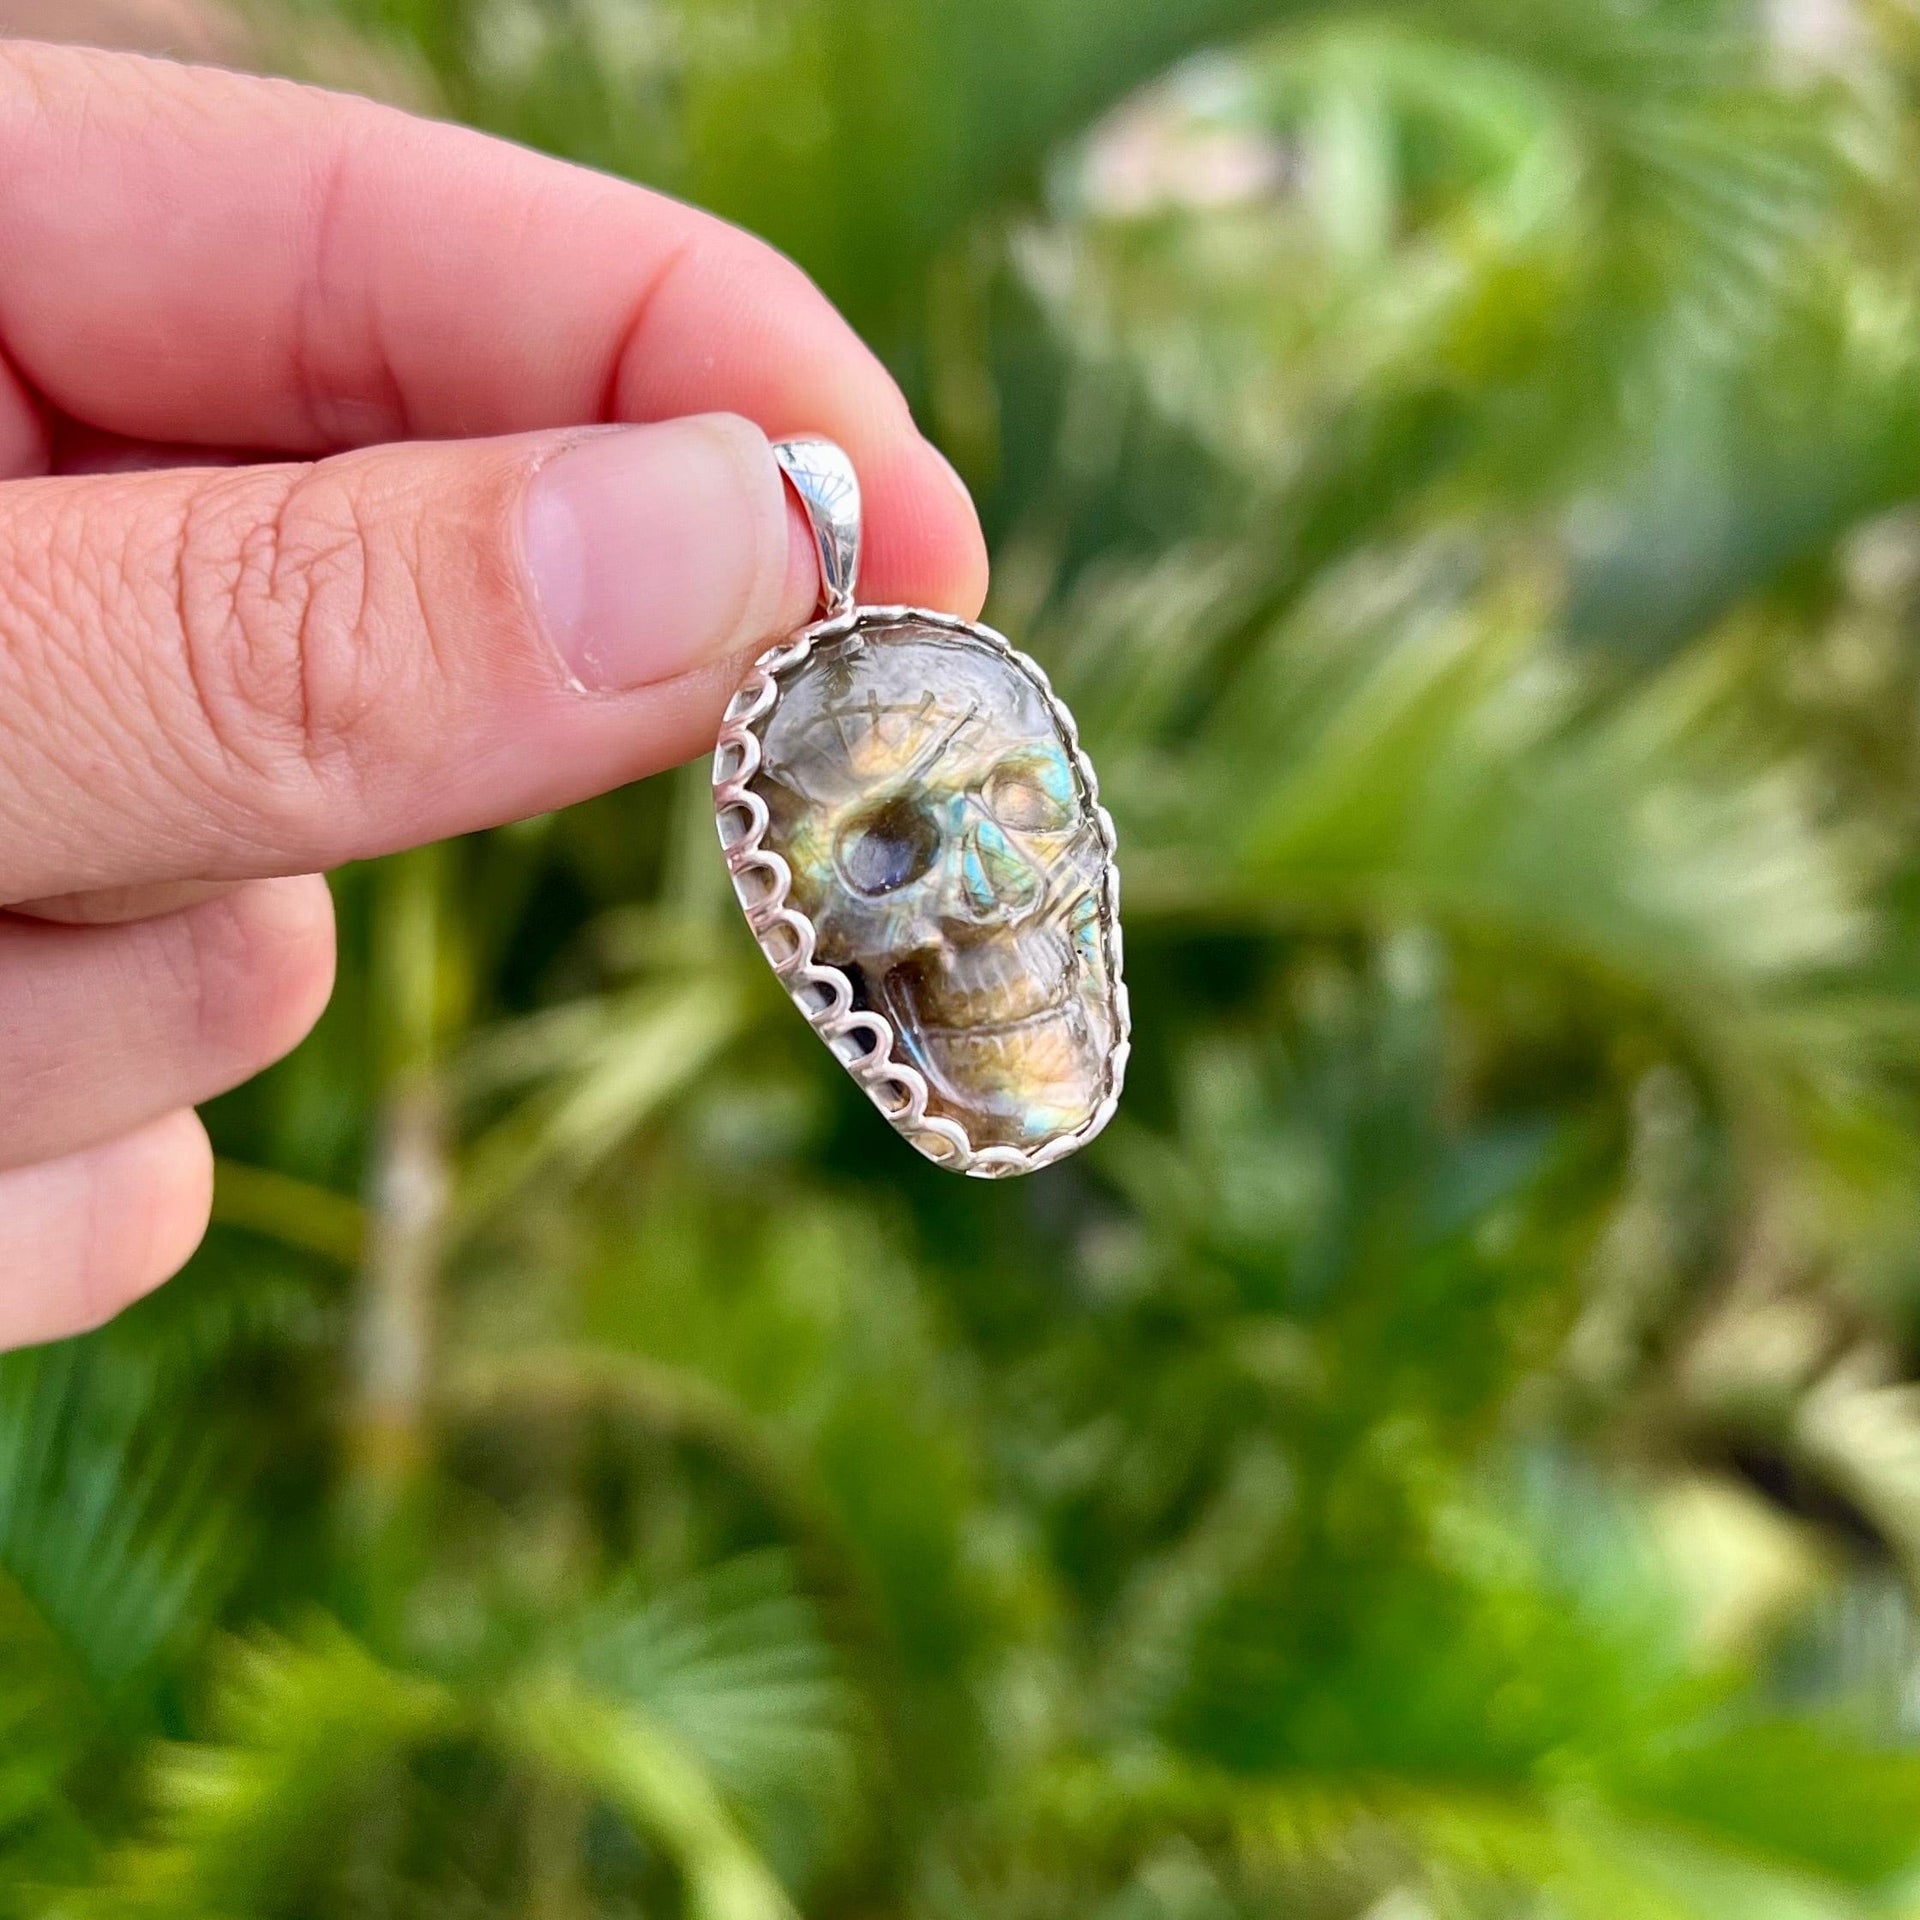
1449 1452
702 1716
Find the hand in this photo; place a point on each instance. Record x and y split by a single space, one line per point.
455 597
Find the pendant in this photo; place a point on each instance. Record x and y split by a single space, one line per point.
918 844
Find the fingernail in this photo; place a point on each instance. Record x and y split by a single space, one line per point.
655 549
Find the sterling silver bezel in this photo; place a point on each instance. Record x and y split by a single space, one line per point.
863 1041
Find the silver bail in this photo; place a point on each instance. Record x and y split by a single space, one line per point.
829 489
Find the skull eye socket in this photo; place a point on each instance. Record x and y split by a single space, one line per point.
882 851
1032 794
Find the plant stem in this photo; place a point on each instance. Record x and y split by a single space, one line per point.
556 1835
408 1187
295 1212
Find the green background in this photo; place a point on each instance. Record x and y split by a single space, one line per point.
1451 1450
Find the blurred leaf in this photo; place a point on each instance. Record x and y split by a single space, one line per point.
643 1769
653 1046
303 1731
111 1533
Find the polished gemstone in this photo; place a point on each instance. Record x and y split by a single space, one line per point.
943 843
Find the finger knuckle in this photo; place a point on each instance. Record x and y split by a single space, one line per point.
273 579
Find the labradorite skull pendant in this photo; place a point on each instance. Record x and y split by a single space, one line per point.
918 844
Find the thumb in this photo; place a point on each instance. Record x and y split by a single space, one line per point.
221 674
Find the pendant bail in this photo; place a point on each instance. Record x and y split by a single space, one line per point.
829 489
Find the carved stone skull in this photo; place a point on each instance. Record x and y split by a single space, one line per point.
943 845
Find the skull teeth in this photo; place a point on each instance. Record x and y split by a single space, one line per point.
988 986
988 1030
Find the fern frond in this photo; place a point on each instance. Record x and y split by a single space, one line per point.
735 1664
111 1537
1409 747
638 1765
649 1049
303 1730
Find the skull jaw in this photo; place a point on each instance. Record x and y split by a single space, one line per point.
1017 1085
1018 1080
1011 1030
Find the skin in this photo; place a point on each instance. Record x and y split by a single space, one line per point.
277 371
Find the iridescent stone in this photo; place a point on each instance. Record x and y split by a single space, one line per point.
945 846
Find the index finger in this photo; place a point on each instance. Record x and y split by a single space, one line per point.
203 257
